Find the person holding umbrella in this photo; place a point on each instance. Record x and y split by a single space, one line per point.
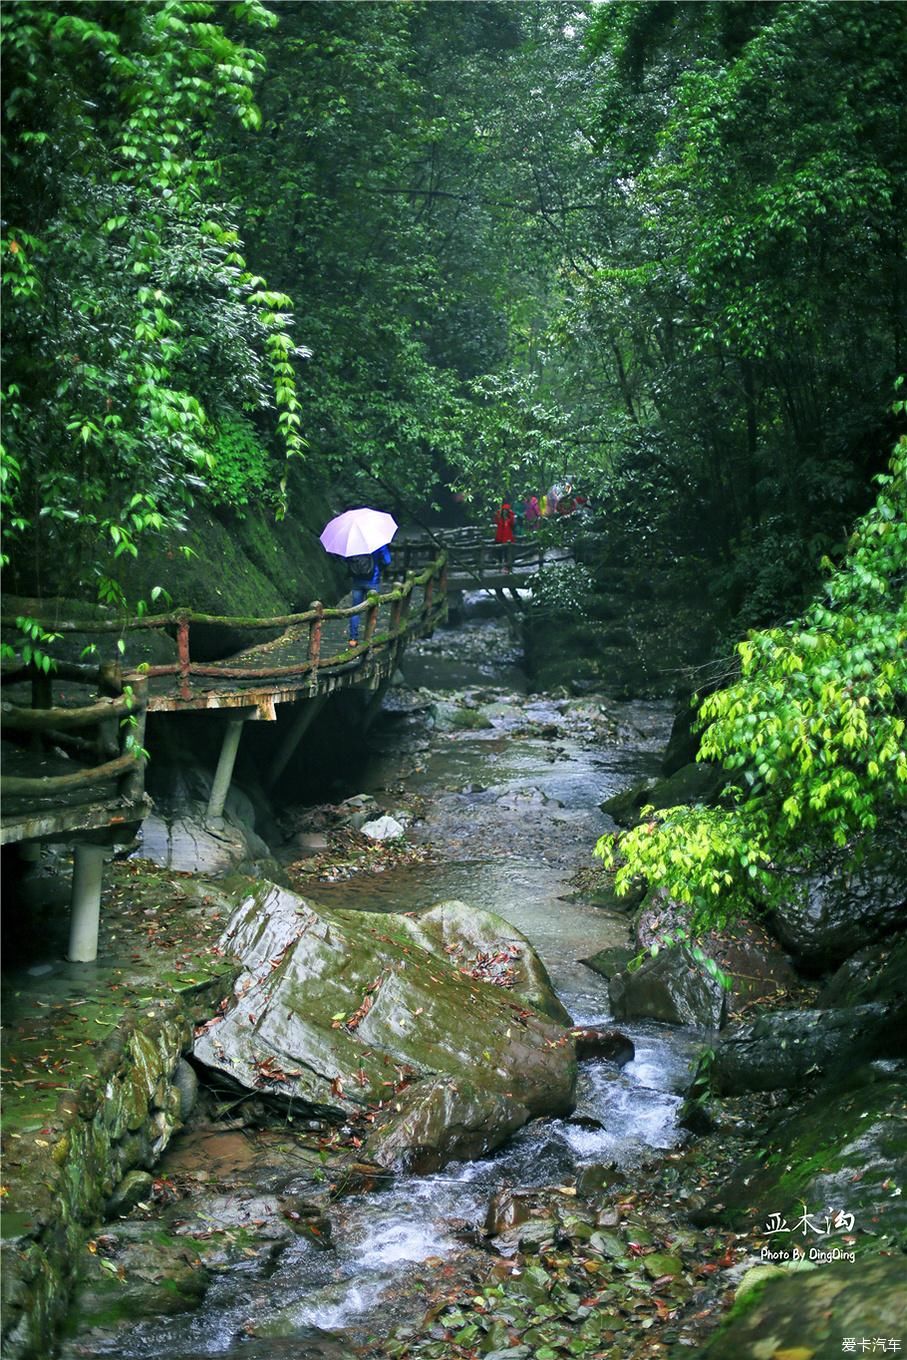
361 536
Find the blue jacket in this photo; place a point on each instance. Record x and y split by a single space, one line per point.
380 558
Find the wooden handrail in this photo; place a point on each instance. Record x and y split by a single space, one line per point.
64 719
177 616
60 783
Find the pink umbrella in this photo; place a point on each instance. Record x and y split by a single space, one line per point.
358 531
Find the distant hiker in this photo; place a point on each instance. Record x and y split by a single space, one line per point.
504 523
365 570
532 512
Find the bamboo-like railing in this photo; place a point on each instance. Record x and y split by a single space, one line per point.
125 694
115 724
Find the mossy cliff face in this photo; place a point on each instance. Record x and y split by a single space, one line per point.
121 1119
252 565
95 1086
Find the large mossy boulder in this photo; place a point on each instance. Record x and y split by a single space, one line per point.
841 1153
848 905
808 1314
422 1030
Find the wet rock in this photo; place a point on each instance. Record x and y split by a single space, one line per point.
787 1048
485 943
193 843
607 962
383 829
847 906
603 1043
841 1153
186 1083
126 1278
507 1209
341 1012
672 987
877 973
700 782
752 961
683 743
132 1190
808 1313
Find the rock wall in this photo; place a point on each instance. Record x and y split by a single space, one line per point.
113 1123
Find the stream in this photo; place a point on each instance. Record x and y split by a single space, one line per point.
507 800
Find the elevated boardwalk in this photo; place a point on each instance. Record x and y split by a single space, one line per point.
73 744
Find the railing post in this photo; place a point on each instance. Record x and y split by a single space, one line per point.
110 685
429 594
371 618
396 608
134 781
182 647
41 689
444 575
316 627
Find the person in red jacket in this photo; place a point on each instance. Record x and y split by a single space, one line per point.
504 522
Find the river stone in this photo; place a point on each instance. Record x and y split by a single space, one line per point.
877 973
143 1278
672 987
346 1013
848 905
700 782
603 1043
746 953
132 1189
786 1048
810 1312
186 1083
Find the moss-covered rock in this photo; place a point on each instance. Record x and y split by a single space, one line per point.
806 1315
843 1151
333 1004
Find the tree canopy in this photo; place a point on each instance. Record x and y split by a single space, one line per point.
472 248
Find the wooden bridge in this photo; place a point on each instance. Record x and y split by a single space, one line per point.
74 769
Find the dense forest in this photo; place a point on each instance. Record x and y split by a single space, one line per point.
426 252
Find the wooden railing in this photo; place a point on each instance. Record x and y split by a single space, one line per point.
472 553
396 605
108 732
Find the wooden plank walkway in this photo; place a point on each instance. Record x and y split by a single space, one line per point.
89 774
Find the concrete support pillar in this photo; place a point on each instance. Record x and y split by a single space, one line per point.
85 913
224 773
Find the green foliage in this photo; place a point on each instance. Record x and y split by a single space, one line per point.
241 471
814 729
563 587
130 314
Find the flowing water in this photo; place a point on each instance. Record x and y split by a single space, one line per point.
511 811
